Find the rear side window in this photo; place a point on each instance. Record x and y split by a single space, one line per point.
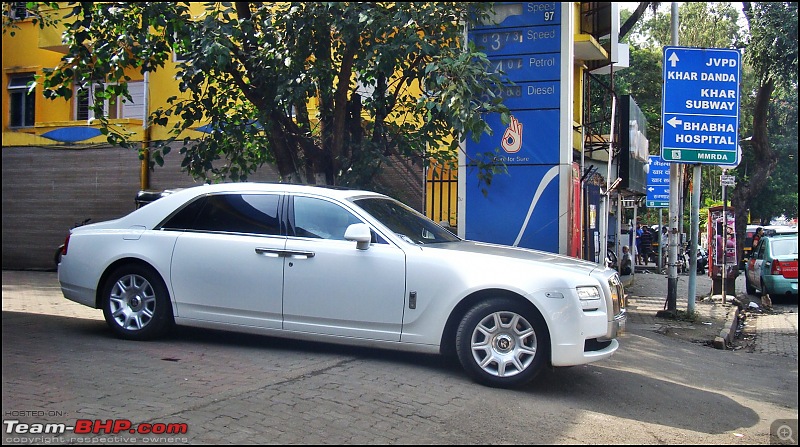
230 213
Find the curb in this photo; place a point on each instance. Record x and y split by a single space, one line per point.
728 332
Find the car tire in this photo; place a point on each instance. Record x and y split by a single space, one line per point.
57 255
764 290
136 303
748 287
503 343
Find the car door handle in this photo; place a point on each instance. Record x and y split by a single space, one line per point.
269 252
275 253
299 254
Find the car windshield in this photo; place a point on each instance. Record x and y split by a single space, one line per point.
784 246
407 223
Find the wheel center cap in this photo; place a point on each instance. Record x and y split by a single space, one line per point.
135 301
504 343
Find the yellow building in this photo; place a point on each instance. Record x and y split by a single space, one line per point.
59 170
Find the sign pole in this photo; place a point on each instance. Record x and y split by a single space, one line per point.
674 182
700 125
694 237
724 238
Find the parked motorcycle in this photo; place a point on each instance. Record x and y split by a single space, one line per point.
702 260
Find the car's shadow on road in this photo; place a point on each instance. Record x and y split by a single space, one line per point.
595 387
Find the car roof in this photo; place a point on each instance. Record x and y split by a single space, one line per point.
158 210
781 235
781 229
327 190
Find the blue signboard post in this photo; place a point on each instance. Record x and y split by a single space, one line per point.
524 41
657 183
700 105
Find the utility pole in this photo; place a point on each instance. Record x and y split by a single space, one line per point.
674 208
694 215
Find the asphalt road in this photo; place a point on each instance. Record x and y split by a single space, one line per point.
61 364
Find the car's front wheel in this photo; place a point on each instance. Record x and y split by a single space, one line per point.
502 343
136 304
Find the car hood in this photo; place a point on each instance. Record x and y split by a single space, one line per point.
550 259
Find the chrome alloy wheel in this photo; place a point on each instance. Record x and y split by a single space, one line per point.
503 344
132 302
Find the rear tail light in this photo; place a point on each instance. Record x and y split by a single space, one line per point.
787 269
66 245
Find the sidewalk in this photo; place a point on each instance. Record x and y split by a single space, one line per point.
735 324
714 323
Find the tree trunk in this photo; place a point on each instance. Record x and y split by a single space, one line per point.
765 162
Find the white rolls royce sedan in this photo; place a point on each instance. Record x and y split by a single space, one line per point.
342 266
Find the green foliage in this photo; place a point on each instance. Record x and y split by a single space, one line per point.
769 167
643 83
251 69
769 47
700 24
772 47
779 196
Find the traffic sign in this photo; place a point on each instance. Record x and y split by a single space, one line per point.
657 183
700 106
727 180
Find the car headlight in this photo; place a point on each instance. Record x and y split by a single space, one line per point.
590 298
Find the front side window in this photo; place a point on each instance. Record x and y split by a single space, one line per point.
317 218
230 213
22 101
760 249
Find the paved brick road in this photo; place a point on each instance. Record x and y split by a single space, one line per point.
60 363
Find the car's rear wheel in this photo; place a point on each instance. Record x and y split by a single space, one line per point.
136 304
749 287
764 290
503 343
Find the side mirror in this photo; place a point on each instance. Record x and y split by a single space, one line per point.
360 233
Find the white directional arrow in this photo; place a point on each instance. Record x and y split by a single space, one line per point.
674 120
651 189
673 59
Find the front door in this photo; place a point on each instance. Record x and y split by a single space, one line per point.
333 288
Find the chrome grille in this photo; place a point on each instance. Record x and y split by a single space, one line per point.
617 294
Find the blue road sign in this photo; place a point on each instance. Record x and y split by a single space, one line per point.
523 40
657 183
700 105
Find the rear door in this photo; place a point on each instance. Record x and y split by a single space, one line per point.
227 266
